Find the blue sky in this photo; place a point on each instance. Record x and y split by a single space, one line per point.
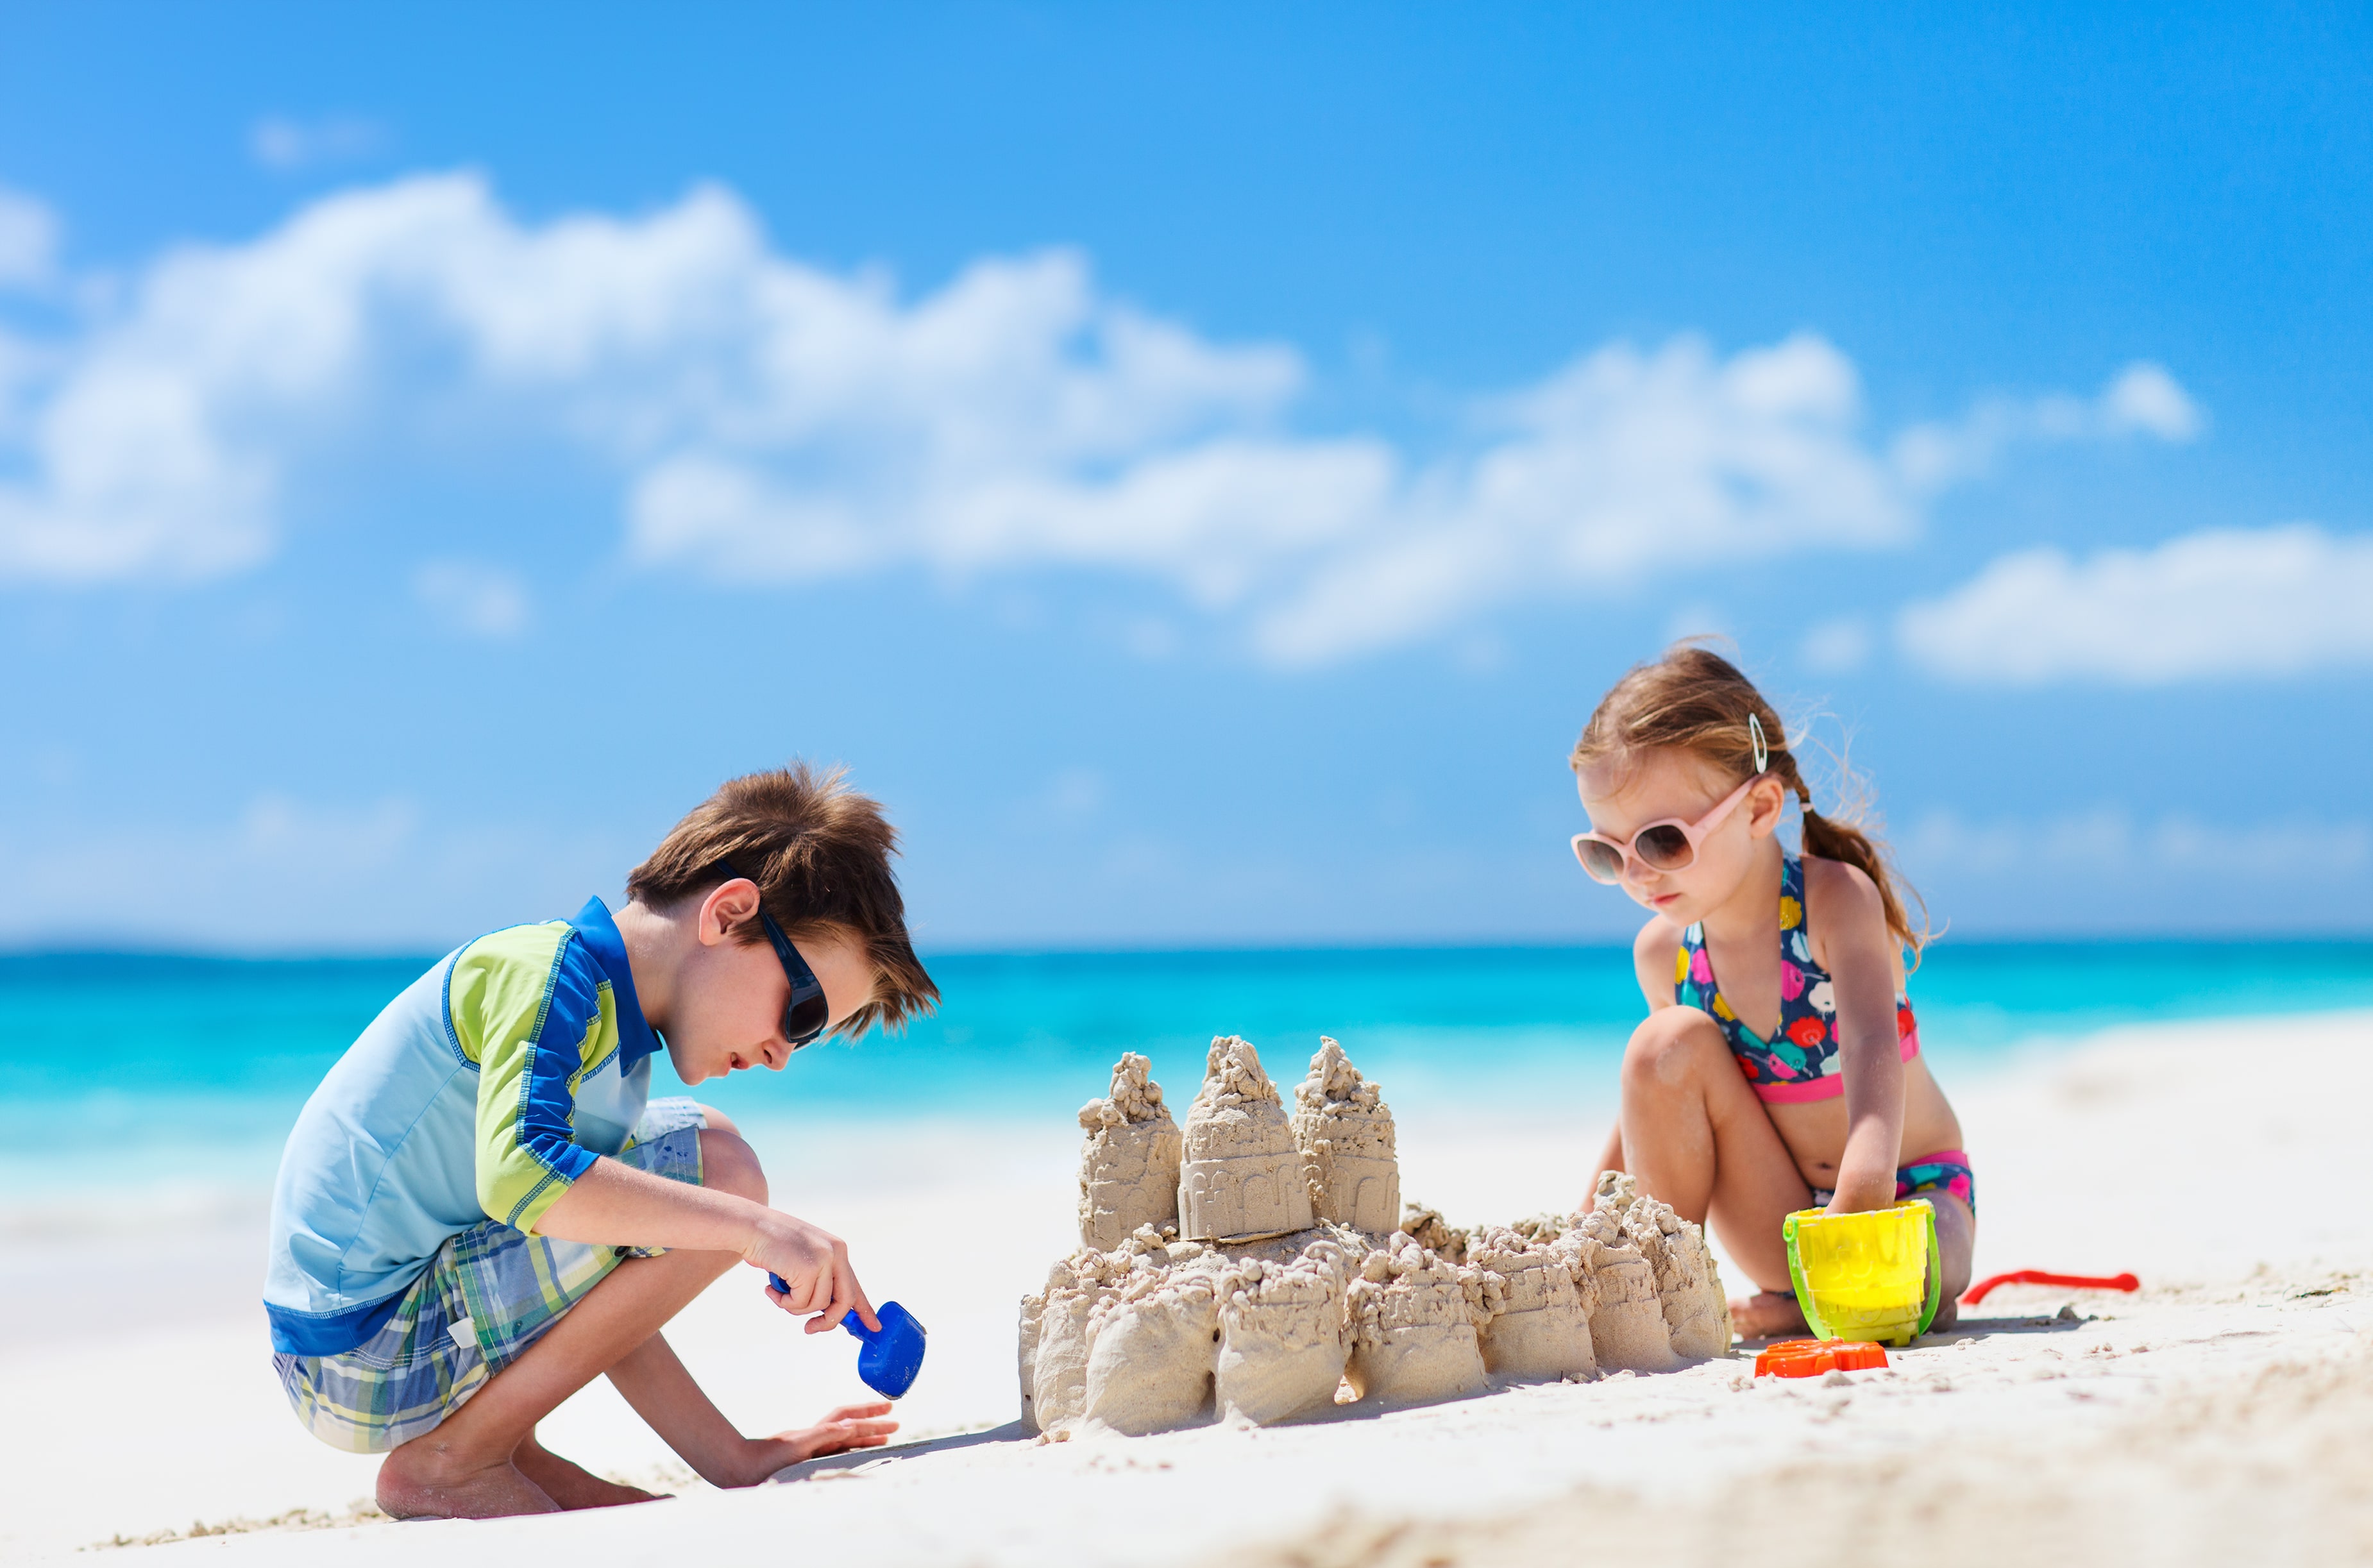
1199 470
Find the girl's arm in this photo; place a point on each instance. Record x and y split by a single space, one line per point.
1858 952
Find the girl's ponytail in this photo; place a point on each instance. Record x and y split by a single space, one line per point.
1695 701
1833 838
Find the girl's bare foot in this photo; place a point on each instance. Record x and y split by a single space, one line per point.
1767 1315
415 1483
570 1484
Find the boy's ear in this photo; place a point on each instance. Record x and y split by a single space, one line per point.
728 907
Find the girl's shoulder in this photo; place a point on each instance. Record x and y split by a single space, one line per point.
1843 912
1654 952
1843 892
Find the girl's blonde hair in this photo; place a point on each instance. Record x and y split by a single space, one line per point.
1696 701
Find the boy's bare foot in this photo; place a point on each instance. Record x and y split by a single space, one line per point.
418 1485
570 1484
1767 1315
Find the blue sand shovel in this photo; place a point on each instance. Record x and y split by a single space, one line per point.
893 1356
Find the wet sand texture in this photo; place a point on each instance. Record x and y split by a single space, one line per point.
1128 1164
1241 1175
1413 1316
1345 1132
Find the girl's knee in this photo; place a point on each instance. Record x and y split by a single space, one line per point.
728 1163
1670 1044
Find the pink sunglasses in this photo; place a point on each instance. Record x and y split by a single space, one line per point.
1669 845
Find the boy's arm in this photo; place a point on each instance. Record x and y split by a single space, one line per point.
662 1392
613 1204
525 1005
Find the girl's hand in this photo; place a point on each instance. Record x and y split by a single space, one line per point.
848 1428
1859 1194
814 1264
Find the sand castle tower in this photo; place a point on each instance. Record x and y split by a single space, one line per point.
1129 1166
1412 1318
1240 1179
1345 1132
1283 1340
1626 1323
1153 1344
1696 1315
1539 1327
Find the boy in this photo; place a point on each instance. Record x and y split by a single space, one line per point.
480 1210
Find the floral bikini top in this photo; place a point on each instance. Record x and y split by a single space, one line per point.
1800 1061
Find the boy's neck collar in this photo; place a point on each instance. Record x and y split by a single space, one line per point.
599 933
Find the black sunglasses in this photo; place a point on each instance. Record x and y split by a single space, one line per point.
808 1011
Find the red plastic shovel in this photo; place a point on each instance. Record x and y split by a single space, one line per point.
1978 1292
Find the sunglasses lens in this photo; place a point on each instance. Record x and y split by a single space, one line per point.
806 1019
1664 846
1603 862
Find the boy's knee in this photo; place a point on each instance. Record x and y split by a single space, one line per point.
1667 1045
715 1120
728 1163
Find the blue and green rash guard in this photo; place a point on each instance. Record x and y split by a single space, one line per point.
483 1091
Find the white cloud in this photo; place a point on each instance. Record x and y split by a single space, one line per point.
2108 840
473 598
28 240
1617 465
2221 603
2141 400
1838 646
279 142
770 422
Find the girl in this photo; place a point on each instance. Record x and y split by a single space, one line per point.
1779 1068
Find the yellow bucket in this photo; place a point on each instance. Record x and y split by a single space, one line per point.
1869 1276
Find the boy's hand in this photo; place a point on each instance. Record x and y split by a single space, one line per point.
814 1264
851 1426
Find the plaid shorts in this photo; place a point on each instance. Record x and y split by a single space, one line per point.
489 1294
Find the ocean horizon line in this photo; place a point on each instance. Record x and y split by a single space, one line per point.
79 951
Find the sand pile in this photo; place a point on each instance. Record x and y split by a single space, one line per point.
1430 1230
1537 1328
1344 1132
1240 1179
1152 1351
1054 1338
1241 1269
1627 1318
1282 1339
1129 1168
1697 1313
1413 1316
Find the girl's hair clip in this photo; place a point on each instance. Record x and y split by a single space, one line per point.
1755 736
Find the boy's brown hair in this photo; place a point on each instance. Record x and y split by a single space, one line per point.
820 853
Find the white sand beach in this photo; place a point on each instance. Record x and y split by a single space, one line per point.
2221 1414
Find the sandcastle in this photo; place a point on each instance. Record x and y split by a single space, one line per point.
1241 1177
1128 1171
1345 1133
1415 1315
1255 1268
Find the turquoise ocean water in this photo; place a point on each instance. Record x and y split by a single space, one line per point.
141 1066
